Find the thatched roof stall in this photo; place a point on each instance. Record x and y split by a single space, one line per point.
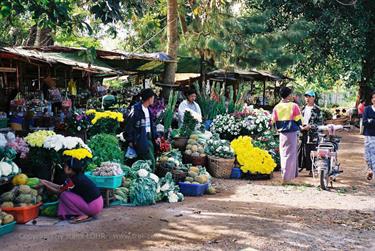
252 77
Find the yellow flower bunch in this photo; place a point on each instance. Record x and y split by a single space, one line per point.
80 153
105 115
252 159
36 139
91 111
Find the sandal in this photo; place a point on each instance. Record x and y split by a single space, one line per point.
79 219
370 175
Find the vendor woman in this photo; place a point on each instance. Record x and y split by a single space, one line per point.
189 103
79 199
140 128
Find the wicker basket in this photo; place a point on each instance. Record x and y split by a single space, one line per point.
195 161
180 143
178 175
219 167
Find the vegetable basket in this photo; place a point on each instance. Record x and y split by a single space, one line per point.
110 182
177 174
23 215
189 189
220 167
195 160
180 143
7 228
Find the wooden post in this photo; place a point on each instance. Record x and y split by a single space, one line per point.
264 93
18 78
39 85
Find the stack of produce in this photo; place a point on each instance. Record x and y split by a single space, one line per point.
219 148
195 146
197 175
171 160
168 190
108 169
104 148
5 218
20 196
142 187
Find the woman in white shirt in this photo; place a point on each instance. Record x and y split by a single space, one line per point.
190 104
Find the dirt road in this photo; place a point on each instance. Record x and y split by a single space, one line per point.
257 215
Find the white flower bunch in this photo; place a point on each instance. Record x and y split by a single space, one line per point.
58 142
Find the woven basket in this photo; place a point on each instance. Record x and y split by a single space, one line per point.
219 167
180 143
195 161
177 175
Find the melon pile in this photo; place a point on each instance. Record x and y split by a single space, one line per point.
195 146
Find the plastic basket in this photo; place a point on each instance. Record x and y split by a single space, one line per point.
23 215
188 189
49 209
3 123
7 228
110 182
236 173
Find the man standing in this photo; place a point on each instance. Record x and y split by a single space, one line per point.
140 129
312 118
190 104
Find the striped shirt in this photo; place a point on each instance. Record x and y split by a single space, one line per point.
287 117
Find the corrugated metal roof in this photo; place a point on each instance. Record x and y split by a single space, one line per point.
68 58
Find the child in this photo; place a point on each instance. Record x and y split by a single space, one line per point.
79 196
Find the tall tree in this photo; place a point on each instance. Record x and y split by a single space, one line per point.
340 42
172 42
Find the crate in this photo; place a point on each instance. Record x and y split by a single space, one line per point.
23 215
110 182
236 173
188 189
4 123
7 228
51 207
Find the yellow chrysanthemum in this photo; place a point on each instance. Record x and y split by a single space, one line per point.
107 115
91 111
80 153
252 159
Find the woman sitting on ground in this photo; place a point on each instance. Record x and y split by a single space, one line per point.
79 199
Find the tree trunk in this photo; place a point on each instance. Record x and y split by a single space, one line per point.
368 62
43 37
172 37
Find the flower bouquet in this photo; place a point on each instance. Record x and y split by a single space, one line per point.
219 148
78 124
104 122
252 159
270 142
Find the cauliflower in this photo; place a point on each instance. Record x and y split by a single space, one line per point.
142 173
5 169
154 177
165 187
172 197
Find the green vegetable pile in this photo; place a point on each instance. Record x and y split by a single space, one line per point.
105 148
142 187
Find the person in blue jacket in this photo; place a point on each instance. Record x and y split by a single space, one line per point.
369 132
140 128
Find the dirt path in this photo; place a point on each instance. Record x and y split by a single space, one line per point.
257 215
